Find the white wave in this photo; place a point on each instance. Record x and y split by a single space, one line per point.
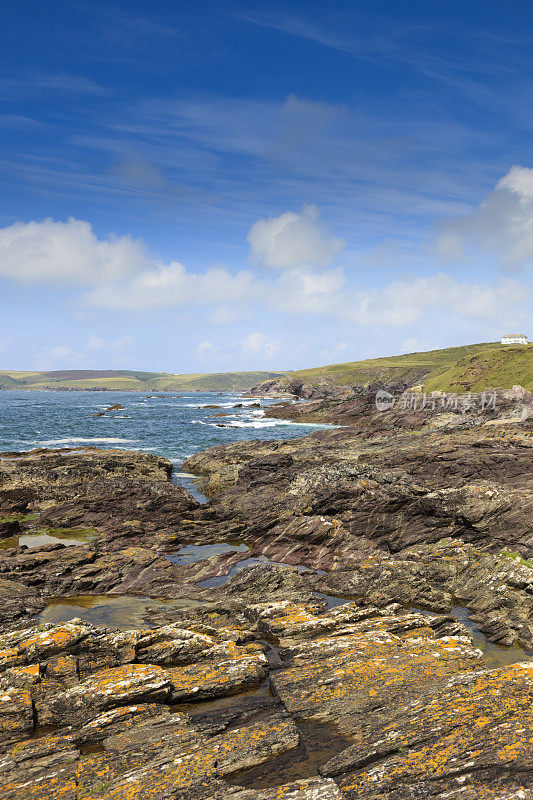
260 423
218 405
79 440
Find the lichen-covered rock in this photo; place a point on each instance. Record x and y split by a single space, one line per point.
172 645
110 688
52 640
286 621
115 721
372 669
393 519
497 588
208 680
477 726
20 677
310 789
159 758
16 715
30 758
58 782
416 702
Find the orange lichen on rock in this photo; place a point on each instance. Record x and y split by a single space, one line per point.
16 715
481 721
58 785
217 678
351 681
109 688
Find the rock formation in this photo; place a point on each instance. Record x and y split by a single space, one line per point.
325 658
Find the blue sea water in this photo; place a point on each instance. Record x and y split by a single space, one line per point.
175 425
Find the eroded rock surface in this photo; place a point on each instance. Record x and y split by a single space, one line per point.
120 495
265 691
410 697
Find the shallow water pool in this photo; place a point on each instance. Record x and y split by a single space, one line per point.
125 612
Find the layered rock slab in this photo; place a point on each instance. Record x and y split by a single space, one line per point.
408 689
475 730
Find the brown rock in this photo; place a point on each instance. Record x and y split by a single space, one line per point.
108 689
16 715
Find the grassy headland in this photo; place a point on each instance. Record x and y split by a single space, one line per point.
454 369
123 380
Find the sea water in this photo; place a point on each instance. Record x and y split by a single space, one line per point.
171 424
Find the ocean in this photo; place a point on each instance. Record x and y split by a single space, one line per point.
169 424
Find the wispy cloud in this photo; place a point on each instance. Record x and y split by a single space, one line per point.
32 82
20 122
68 83
223 155
383 41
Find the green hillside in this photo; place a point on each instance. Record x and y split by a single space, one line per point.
459 369
505 367
126 380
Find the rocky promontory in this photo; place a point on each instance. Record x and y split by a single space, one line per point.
349 616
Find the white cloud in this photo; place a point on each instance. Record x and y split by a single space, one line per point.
289 240
204 347
402 302
173 285
519 180
258 344
97 343
70 83
223 316
120 274
67 253
299 290
58 356
405 302
293 240
501 225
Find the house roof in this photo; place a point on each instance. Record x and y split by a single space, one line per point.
507 335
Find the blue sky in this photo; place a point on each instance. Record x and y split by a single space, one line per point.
206 186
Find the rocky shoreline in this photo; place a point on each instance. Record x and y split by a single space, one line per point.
349 616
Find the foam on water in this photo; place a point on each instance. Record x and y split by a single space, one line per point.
80 440
170 426
232 404
231 422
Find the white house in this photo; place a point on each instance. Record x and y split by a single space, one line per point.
514 338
